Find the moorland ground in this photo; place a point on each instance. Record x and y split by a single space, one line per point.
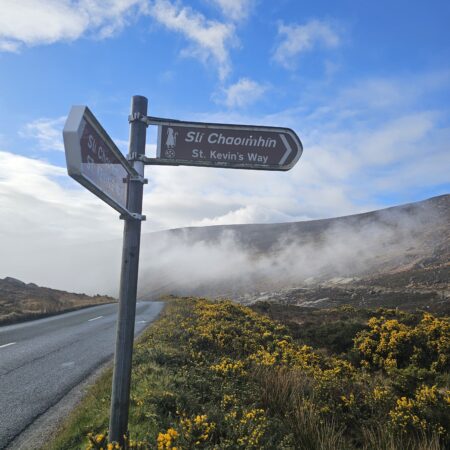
218 375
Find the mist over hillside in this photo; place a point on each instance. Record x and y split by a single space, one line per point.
401 248
247 262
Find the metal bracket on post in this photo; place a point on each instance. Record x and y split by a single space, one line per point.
136 157
134 216
138 178
159 162
137 116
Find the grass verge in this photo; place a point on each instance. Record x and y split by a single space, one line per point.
220 376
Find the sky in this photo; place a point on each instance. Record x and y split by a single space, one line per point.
365 85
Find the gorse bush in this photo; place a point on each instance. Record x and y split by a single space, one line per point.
221 376
410 355
391 344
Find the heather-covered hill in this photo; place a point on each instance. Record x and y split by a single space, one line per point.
21 301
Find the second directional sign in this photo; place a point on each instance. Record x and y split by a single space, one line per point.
94 160
231 146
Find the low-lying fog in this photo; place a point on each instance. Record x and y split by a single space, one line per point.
185 264
223 260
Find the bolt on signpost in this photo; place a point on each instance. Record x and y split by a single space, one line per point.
95 162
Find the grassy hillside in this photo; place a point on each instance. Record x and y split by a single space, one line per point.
223 376
20 301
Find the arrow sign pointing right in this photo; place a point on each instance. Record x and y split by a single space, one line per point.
226 146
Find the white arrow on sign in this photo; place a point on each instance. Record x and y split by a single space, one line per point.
288 149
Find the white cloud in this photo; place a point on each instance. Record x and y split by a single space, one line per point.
425 164
210 39
247 214
296 39
36 22
243 93
235 9
374 93
386 93
398 138
183 196
50 227
33 22
9 46
47 132
36 192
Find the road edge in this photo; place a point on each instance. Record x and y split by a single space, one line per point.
43 427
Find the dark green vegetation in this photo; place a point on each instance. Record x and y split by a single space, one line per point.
20 301
222 376
332 330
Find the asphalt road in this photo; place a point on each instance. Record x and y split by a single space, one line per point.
42 360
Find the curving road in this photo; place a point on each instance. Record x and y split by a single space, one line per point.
42 360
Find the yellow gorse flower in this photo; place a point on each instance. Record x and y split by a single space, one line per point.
165 440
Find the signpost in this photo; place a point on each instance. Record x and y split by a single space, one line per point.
95 161
226 146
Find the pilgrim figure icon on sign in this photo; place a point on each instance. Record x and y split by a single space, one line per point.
171 142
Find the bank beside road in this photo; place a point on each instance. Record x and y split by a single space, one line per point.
212 375
42 360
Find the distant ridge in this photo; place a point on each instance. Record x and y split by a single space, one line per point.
21 301
438 207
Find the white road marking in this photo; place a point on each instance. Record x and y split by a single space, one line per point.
68 364
142 321
95 318
7 345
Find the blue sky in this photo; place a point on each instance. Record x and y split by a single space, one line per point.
366 86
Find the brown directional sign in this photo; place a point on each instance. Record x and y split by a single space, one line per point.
94 160
229 146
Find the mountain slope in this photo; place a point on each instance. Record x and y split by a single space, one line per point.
402 249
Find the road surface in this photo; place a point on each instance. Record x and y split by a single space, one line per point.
41 360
